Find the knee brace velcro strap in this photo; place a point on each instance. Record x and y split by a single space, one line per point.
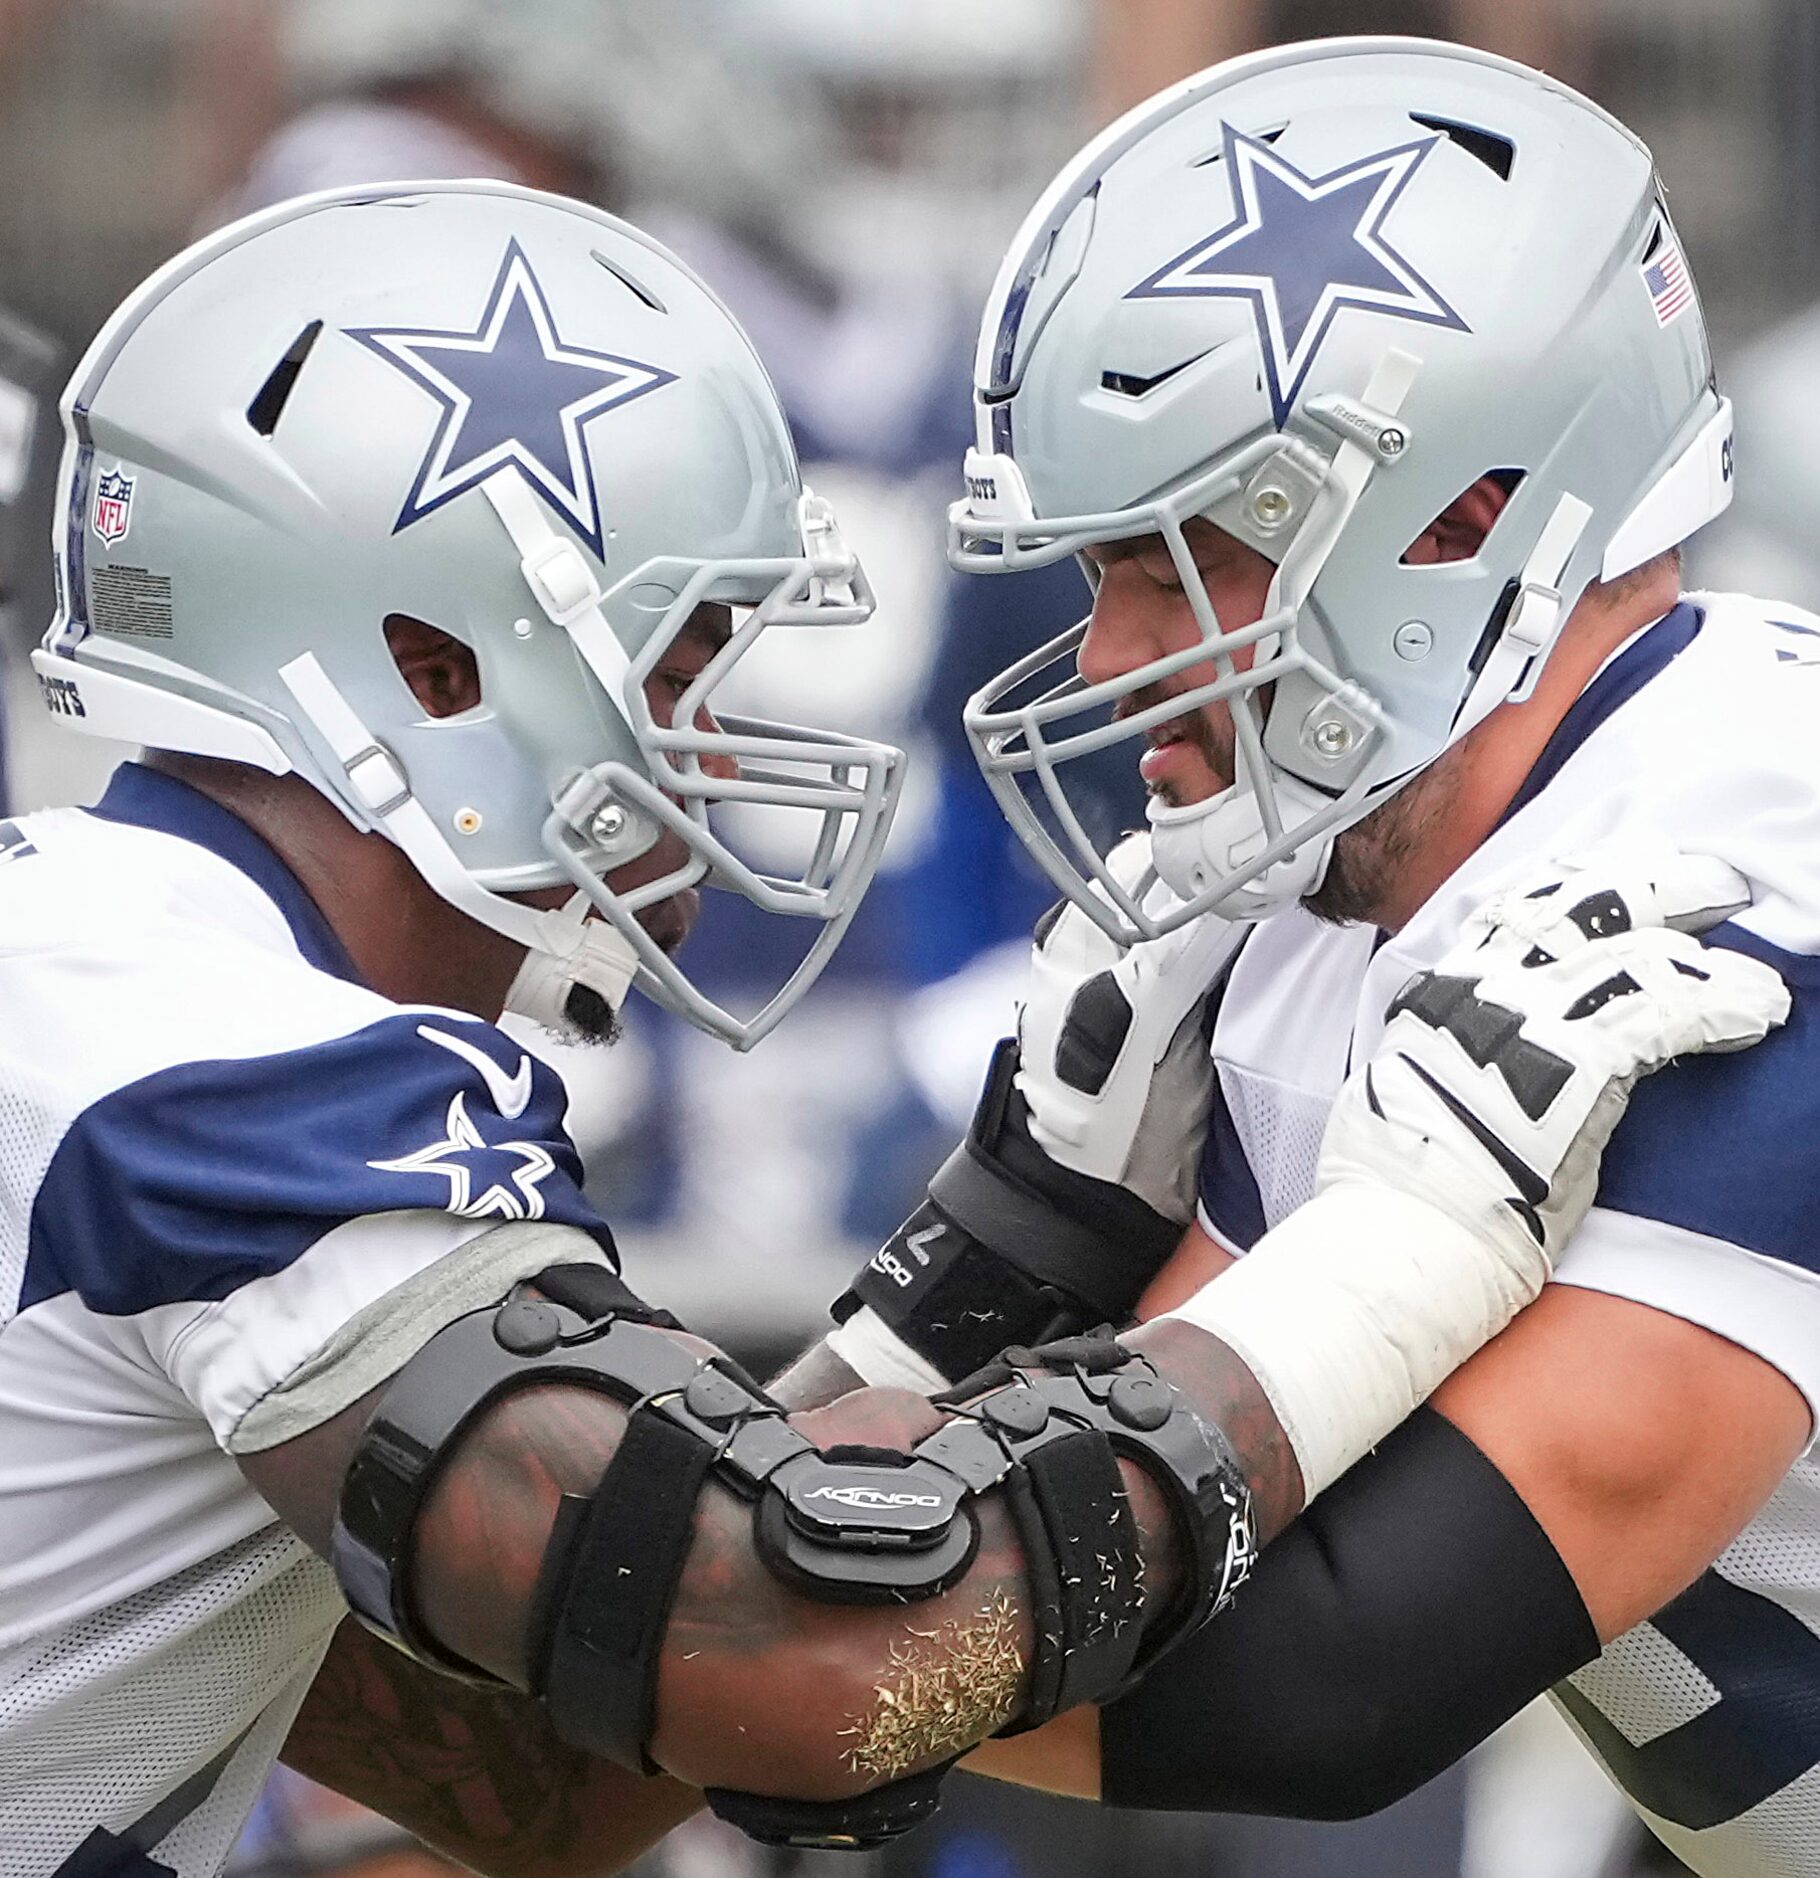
609 1583
1084 1568
856 1825
463 1370
1043 1413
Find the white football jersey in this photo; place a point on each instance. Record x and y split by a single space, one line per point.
1700 731
237 1190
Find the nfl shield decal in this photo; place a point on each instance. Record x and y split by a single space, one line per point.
113 511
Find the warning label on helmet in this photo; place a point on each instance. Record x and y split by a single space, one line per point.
131 602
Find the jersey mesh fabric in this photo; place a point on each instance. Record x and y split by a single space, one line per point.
30 1128
1280 1129
137 1697
1778 1553
214 1144
1644 1686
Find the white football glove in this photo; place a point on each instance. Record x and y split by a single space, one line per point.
1079 1173
1502 1072
1118 1082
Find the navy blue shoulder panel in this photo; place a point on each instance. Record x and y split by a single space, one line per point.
1647 656
194 1181
1729 1146
147 798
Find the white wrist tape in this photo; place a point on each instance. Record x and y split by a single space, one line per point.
879 1356
1354 1309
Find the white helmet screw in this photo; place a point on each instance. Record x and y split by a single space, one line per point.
1392 442
522 627
1271 506
609 824
467 821
1413 641
1331 738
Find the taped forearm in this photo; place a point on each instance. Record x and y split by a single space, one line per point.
1354 1309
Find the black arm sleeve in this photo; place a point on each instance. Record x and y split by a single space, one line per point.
1413 1609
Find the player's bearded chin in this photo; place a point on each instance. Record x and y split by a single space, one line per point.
1367 860
590 1017
1370 858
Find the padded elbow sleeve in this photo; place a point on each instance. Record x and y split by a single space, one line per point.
1413 1609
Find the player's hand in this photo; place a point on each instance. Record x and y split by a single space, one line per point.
1118 1081
1074 1185
1502 1072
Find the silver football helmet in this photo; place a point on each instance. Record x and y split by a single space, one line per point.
1314 295
523 423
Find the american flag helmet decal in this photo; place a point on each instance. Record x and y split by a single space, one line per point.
1670 285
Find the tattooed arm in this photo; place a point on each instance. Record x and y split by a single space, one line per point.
476 1774
479 1774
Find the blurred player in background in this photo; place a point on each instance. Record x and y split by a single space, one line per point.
26 362
389 88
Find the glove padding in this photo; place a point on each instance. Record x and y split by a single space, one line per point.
1078 1176
1502 1073
1117 1079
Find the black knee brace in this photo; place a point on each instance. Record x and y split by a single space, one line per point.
840 1527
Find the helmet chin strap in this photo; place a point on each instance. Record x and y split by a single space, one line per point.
563 947
575 950
1196 847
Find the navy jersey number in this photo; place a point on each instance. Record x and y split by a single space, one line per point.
127 1853
103 1855
1763 1731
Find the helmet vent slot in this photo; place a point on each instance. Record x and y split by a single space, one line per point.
1498 154
1132 385
442 673
631 281
268 407
1256 136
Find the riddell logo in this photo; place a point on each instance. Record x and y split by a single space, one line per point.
872 1499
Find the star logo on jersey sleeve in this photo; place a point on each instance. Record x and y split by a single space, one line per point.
487 1179
513 394
1302 250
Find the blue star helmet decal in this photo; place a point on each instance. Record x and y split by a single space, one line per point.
1302 250
512 393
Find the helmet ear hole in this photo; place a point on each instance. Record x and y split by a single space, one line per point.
442 673
1462 528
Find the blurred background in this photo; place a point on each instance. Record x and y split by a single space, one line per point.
846 172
